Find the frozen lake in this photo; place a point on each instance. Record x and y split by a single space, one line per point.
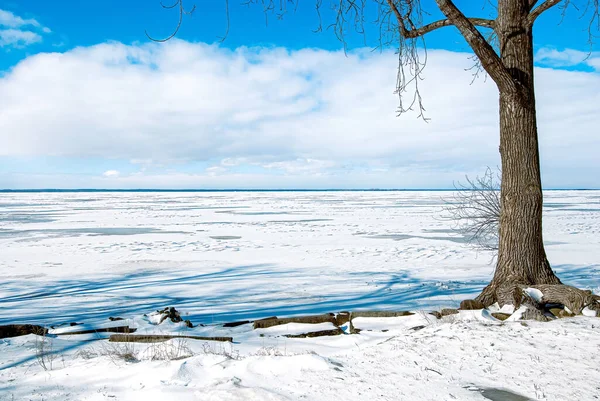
224 256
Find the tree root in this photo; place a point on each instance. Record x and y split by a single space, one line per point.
573 299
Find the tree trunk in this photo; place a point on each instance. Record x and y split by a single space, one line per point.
521 255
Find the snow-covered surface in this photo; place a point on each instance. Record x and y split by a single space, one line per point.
588 312
221 257
534 294
447 359
504 309
87 256
517 314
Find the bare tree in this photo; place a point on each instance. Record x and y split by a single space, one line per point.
474 210
503 47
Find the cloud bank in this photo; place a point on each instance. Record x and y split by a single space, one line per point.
196 115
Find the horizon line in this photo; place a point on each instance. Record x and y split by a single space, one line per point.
65 190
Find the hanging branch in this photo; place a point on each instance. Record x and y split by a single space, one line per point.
182 12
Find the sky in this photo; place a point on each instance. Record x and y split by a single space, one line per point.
88 101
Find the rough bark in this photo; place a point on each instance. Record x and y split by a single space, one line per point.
521 255
483 50
571 297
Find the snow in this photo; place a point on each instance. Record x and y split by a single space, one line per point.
444 360
62 330
588 312
508 308
534 294
222 257
517 314
392 323
296 328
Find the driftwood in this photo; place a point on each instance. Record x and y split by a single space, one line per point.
380 314
119 329
322 333
312 319
342 318
156 338
16 330
236 324
336 319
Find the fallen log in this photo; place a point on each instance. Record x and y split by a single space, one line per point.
16 330
380 314
338 320
342 318
312 319
118 329
155 338
236 324
322 333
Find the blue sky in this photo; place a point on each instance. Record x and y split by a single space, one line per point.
88 101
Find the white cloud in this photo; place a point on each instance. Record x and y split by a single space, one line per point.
13 32
185 101
18 39
257 115
111 174
11 20
567 58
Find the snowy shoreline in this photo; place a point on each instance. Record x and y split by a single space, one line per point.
464 356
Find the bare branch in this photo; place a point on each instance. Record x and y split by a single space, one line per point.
540 9
593 10
228 21
485 52
487 23
413 33
474 210
182 11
